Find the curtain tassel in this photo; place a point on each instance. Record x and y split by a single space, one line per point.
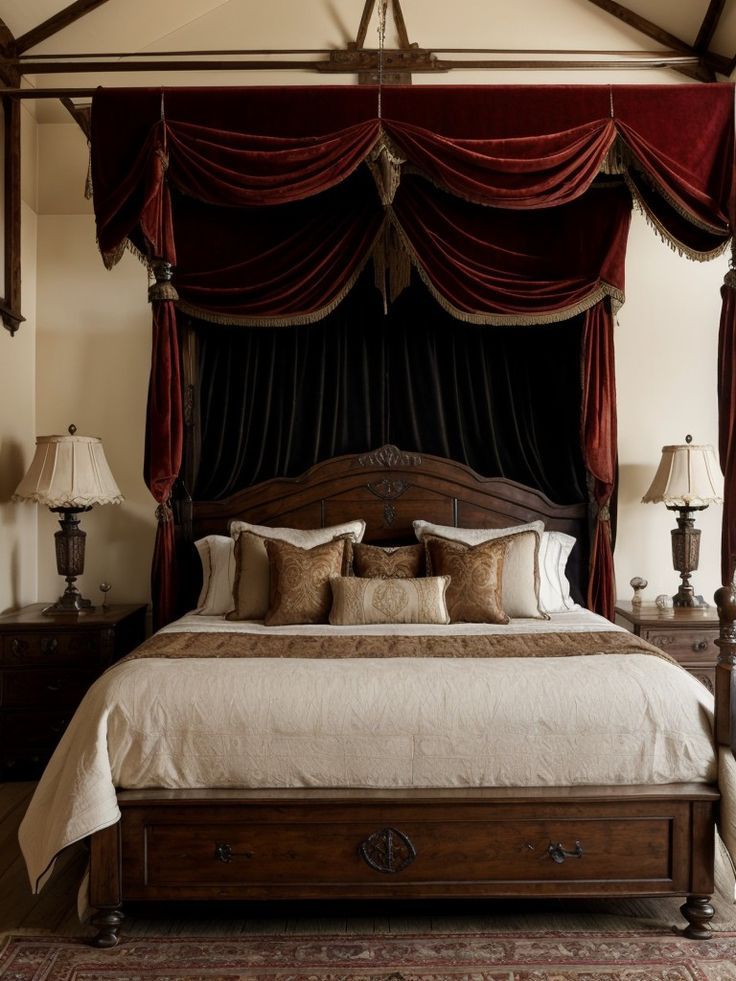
391 265
163 288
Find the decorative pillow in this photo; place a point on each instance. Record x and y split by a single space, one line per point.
300 581
521 570
402 562
476 577
218 575
389 600
251 587
554 591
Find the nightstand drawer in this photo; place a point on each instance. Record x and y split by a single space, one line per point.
696 646
50 647
61 689
704 674
37 732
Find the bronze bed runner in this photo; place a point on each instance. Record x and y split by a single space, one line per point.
237 644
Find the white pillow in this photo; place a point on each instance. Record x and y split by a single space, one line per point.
252 571
520 589
554 588
217 555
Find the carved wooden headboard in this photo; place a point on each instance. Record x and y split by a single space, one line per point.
390 488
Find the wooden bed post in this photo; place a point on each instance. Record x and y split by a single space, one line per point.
105 886
725 697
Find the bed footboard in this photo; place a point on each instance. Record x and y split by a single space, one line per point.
318 844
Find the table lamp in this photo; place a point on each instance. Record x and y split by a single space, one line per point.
69 474
686 481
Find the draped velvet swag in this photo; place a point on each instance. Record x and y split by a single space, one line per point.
267 203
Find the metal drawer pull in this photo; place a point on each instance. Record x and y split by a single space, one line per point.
700 645
558 854
55 685
388 850
18 646
49 645
225 853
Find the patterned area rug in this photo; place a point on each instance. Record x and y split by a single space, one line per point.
538 956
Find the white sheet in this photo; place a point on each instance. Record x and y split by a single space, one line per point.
398 722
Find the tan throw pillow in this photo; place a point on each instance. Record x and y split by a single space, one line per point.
476 578
251 588
218 575
402 562
300 581
521 582
361 601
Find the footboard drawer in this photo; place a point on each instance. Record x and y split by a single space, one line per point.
383 846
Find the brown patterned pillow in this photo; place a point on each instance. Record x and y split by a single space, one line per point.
476 578
388 600
300 581
402 562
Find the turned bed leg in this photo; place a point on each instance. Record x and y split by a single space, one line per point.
698 911
105 892
108 923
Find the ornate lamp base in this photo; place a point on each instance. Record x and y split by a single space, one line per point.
686 555
70 542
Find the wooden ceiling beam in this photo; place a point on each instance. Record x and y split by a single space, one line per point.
709 25
56 23
82 115
354 61
702 73
365 19
9 71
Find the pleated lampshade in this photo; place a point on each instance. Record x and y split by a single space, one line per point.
69 472
688 476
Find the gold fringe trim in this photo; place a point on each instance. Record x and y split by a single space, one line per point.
510 319
111 259
666 236
300 319
630 164
88 189
730 279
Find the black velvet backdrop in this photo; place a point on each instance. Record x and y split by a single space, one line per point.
505 400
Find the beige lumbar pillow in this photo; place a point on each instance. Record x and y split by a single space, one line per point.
521 569
251 588
300 581
361 601
476 578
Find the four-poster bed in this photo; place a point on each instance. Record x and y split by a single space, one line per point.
512 205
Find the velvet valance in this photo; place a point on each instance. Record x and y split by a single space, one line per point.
261 206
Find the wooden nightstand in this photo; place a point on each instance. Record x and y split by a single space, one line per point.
47 663
685 633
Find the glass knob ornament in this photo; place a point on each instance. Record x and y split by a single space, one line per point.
104 588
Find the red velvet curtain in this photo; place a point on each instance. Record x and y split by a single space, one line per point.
598 439
259 191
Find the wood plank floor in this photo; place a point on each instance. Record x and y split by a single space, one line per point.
54 910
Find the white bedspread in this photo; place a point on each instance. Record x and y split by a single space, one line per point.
398 722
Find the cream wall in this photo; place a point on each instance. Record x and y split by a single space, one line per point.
18 565
92 370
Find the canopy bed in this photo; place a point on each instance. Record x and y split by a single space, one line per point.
508 209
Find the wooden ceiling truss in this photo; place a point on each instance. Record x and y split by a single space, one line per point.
370 64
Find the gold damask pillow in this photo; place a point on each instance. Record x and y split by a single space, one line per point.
402 562
300 581
361 601
476 578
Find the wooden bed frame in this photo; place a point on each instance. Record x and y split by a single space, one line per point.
378 844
